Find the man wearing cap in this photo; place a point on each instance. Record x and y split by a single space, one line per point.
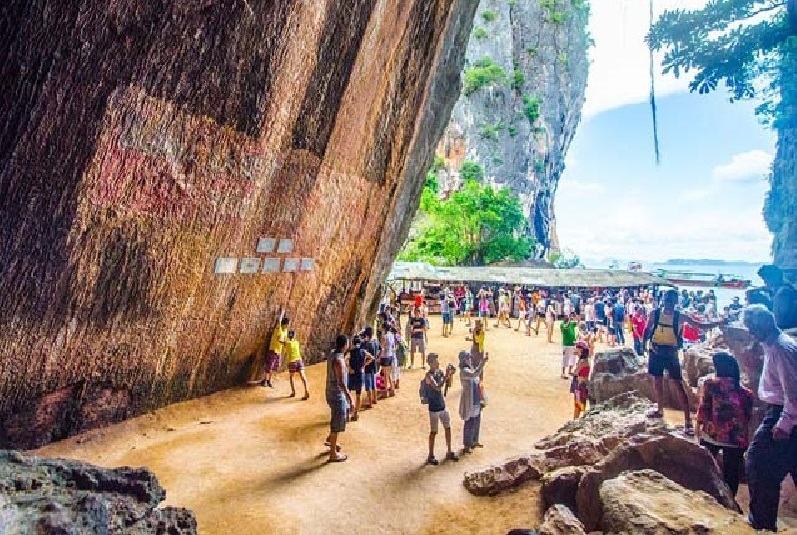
773 452
434 383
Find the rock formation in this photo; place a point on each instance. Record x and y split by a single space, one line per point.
150 153
616 371
610 439
60 496
525 77
645 501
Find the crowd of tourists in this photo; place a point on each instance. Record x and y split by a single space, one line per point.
367 368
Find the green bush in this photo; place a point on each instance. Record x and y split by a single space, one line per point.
491 131
483 73
480 33
471 170
489 15
518 79
512 130
539 166
531 108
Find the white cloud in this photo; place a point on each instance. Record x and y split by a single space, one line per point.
745 169
578 187
750 166
619 74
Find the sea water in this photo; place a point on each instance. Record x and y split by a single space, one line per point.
724 295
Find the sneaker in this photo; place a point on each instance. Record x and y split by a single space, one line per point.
432 461
263 382
451 456
268 383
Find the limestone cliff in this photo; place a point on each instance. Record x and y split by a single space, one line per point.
780 208
176 175
525 78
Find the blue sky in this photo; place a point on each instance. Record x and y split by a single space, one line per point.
705 198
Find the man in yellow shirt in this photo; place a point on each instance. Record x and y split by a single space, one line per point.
275 349
293 357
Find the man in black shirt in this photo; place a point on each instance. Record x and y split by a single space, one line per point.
372 349
434 383
418 338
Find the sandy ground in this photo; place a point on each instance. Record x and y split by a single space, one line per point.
252 460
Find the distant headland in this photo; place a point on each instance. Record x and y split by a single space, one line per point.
712 261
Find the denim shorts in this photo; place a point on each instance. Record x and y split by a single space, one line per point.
369 382
447 318
340 411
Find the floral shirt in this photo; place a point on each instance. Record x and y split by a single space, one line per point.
725 412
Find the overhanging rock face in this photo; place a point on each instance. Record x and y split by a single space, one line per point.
148 150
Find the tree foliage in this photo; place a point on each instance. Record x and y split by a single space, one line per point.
565 259
475 226
737 44
483 73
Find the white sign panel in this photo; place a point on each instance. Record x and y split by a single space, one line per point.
226 265
250 265
285 246
271 265
266 245
291 264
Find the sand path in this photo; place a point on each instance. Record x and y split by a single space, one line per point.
257 465
251 460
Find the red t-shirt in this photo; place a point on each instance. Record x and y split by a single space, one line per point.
418 300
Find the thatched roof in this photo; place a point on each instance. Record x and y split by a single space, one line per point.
538 277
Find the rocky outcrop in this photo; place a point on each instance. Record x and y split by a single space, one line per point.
780 205
645 501
525 78
617 371
60 496
151 153
559 520
608 440
698 362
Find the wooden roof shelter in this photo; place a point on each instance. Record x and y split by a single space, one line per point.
523 276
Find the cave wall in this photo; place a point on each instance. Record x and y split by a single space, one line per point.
141 141
546 41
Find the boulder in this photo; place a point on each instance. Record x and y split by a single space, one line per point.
559 520
61 496
645 501
582 442
617 371
671 454
698 362
560 486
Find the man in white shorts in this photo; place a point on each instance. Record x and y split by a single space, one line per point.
433 388
568 327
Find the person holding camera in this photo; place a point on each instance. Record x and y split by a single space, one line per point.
470 400
435 385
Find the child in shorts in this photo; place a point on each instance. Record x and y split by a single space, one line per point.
580 377
293 355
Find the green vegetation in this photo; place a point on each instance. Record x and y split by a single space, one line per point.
564 260
518 79
561 57
512 3
480 33
539 166
491 131
531 108
512 130
484 72
552 14
531 51
471 170
475 226
489 15
742 44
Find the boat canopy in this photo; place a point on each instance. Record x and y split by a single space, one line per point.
524 276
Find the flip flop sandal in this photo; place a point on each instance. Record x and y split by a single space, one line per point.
339 458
